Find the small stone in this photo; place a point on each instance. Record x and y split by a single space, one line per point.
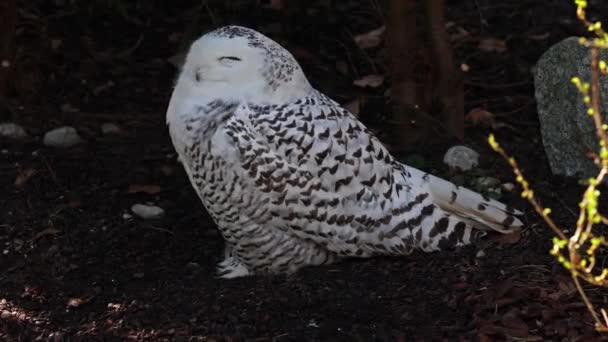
147 211
69 108
12 131
480 254
75 302
110 129
487 182
494 193
125 216
461 157
508 186
62 137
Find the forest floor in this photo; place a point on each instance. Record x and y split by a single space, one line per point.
75 264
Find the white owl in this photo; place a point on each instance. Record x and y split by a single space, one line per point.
293 179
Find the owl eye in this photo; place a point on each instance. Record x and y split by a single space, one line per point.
229 58
229 61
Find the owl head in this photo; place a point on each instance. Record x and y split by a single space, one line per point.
240 64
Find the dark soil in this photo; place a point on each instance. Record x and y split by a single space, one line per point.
74 266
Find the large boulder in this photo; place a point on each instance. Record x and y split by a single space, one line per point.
568 133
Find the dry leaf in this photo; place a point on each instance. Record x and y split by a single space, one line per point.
373 81
75 302
539 36
492 45
566 289
370 39
24 176
149 189
504 288
510 238
479 117
460 34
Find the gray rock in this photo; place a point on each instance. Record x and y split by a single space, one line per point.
461 157
12 131
568 133
62 137
110 128
147 212
508 187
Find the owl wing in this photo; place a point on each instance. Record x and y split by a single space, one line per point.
323 175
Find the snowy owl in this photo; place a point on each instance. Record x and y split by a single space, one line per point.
293 179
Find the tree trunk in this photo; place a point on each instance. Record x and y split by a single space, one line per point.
408 123
448 83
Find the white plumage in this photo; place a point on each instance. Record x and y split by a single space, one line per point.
292 178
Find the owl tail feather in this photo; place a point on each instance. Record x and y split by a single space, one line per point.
479 211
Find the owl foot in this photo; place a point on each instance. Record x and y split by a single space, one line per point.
232 268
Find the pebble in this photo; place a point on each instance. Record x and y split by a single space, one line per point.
487 182
508 186
110 129
147 211
12 131
63 137
461 157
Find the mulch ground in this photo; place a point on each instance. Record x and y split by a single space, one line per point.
75 265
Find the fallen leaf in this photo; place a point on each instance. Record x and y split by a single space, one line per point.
479 117
517 328
492 45
373 81
510 238
459 35
149 189
539 36
24 176
75 302
370 39
566 289
504 288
